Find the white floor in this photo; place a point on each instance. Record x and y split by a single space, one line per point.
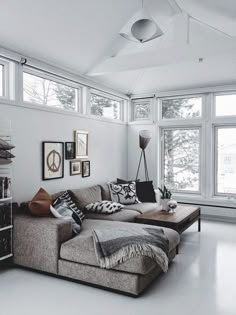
201 280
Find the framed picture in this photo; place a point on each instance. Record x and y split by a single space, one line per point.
75 167
81 144
85 168
53 160
69 150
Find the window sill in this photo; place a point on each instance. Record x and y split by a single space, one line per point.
199 200
141 122
58 111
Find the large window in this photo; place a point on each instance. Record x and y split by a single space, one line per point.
1 80
40 90
105 106
181 159
141 109
226 160
225 105
181 108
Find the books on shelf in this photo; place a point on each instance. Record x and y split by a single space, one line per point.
5 185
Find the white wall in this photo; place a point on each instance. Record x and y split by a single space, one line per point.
107 149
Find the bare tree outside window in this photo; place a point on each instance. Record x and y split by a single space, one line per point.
46 92
181 108
181 159
105 107
142 110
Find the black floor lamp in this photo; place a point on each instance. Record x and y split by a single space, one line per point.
144 138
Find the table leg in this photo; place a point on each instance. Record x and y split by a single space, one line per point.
199 225
177 250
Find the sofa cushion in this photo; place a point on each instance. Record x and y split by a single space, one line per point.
123 216
85 196
142 207
106 194
81 248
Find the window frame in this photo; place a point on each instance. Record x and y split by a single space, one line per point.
109 96
5 78
141 100
54 78
162 158
224 117
179 97
215 161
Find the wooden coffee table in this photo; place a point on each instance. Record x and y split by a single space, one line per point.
179 221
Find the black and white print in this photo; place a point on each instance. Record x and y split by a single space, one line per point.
124 193
105 207
63 206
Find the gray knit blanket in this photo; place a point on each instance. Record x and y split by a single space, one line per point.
115 246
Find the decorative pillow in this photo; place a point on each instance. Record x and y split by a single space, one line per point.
4 145
4 154
40 204
64 207
124 193
5 161
105 206
145 191
124 181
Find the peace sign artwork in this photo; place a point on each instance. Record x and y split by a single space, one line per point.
53 160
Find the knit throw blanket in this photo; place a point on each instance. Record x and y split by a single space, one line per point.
115 246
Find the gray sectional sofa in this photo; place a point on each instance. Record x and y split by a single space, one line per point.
46 244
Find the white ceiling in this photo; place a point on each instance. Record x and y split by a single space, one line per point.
81 35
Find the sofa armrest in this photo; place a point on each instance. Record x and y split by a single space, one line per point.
36 241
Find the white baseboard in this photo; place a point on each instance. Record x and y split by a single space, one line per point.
218 218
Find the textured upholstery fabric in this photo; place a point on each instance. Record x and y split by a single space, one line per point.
87 195
106 194
81 248
142 207
131 283
37 241
123 216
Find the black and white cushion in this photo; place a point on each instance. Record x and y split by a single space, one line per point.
64 207
105 207
124 193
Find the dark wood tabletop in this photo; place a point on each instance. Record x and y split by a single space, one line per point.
180 220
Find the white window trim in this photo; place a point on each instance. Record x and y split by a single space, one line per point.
216 193
138 101
162 158
214 102
6 83
123 105
180 97
54 78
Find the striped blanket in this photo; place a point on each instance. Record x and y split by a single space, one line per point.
114 246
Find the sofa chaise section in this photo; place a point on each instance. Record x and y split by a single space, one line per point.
46 244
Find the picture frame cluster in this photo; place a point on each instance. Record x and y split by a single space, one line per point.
75 151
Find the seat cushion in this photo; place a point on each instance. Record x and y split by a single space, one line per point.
142 207
81 248
85 196
123 216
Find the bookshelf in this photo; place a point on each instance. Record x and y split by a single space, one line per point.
6 223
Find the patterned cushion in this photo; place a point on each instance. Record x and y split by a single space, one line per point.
124 193
104 206
64 207
4 154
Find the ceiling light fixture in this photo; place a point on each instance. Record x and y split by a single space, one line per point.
141 27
